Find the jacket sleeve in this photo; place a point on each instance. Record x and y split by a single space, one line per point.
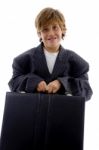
77 81
22 79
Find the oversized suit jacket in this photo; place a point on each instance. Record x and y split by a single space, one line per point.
70 69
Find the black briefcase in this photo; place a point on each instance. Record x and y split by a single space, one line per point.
42 122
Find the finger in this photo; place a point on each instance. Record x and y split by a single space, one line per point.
50 90
38 89
47 88
55 90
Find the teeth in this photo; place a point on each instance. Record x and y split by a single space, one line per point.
52 39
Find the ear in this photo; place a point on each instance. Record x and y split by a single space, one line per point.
39 34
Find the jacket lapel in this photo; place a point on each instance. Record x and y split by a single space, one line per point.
59 66
60 63
42 62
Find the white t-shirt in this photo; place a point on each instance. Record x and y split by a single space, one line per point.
50 59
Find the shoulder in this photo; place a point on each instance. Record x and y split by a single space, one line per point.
76 58
73 57
77 63
27 55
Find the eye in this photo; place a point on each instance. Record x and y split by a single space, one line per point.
55 27
45 30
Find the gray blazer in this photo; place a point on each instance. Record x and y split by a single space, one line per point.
70 69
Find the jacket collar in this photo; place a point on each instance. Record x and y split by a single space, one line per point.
61 51
60 61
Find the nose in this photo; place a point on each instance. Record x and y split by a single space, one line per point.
51 31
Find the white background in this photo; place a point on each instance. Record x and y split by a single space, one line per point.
17 34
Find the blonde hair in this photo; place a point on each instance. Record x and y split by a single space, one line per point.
48 16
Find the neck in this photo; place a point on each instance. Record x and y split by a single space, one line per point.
52 50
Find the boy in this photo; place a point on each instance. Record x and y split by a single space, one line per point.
49 68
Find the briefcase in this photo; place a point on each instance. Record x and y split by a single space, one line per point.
42 122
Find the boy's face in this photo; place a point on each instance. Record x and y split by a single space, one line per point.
51 36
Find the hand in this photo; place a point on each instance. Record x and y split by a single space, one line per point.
53 86
41 87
